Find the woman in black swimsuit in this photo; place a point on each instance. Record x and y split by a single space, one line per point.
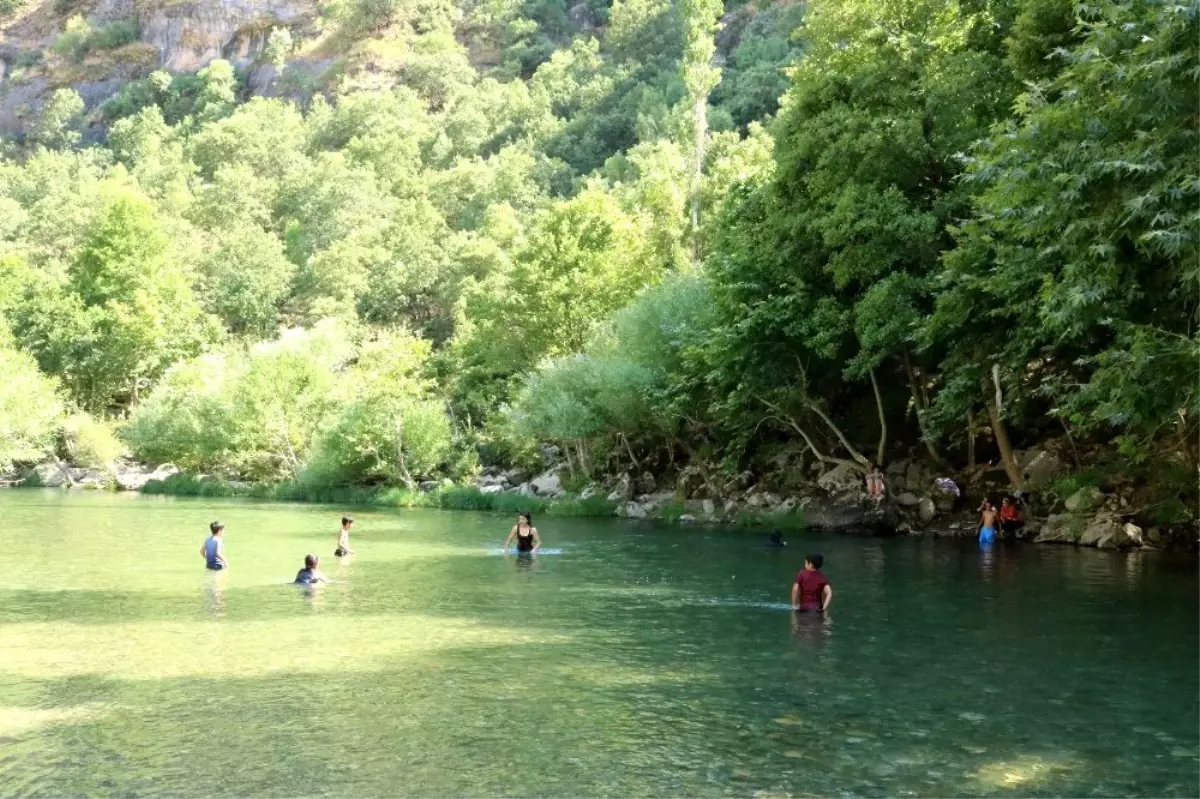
526 534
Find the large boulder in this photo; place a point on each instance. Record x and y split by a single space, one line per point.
48 475
907 499
486 480
547 484
1107 531
842 479
635 510
917 477
623 490
1039 467
646 483
1084 499
589 491
926 510
550 454
494 488
1061 528
691 484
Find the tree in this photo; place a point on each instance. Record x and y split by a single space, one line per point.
31 410
58 124
1073 287
701 20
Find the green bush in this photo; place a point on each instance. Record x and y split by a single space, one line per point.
11 6
90 443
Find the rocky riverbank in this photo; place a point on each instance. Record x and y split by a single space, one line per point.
918 500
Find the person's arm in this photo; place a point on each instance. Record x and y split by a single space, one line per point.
204 551
508 540
826 596
795 595
537 539
221 553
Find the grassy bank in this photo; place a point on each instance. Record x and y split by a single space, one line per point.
456 497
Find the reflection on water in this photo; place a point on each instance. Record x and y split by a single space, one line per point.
639 662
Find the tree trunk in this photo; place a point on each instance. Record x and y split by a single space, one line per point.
700 124
629 449
566 448
919 402
970 441
883 431
854 453
1006 451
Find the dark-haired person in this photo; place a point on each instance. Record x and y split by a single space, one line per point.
343 545
309 574
775 541
811 591
528 540
213 548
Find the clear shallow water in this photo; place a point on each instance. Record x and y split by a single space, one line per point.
632 662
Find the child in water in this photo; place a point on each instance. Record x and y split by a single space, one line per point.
309 574
343 546
987 522
811 591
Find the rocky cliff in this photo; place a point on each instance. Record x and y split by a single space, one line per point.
175 35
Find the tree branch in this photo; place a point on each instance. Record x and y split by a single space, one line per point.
859 458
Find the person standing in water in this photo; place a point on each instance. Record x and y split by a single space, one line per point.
528 540
343 546
811 591
988 523
309 574
213 548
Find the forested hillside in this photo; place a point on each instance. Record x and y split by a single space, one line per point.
402 240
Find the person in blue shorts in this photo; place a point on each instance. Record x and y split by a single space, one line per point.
988 522
213 548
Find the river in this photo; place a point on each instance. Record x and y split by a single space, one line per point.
628 660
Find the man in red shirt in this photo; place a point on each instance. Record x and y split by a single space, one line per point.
812 591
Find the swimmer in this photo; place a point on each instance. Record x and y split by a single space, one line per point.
811 591
987 522
213 548
775 541
343 546
528 540
309 574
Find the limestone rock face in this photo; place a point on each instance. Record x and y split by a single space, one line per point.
188 35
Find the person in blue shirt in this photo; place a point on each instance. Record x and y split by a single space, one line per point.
309 574
213 549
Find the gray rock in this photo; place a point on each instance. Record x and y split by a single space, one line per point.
550 454
646 483
740 483
842 478
691 484
687 518
88 477
526 490
547 484
1039 467
1084 499
50 475
589 492
917 477
908 499
1107 531
770 500
1061 528
490 489
755 500
926 510
634 510
431 485
788 505
623 490
709 507
485 480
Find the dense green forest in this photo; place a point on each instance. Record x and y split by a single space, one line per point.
681 233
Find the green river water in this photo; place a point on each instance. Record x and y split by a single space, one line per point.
629 660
